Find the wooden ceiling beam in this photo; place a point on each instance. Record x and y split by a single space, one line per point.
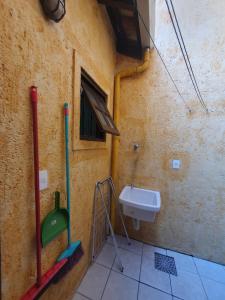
130 32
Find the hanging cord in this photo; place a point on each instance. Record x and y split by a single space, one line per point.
185 49
160 56
184 53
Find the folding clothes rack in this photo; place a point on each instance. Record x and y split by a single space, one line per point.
106 204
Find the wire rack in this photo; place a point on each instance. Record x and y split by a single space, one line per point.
102 227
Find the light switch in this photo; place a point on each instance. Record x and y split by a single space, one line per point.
176 163
43 177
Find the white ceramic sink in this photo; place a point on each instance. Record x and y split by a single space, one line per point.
140 204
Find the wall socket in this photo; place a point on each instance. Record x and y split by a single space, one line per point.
176 164
43 177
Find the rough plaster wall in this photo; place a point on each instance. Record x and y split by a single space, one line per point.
37 51
192 216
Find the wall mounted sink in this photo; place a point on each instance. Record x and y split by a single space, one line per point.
140 204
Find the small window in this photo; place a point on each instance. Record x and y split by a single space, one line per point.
95 119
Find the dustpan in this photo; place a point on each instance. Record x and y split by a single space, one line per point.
54 223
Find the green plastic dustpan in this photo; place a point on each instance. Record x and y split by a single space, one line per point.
54 223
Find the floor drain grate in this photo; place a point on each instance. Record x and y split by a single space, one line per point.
165 264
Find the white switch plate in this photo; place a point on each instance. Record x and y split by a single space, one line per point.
176 163
43 177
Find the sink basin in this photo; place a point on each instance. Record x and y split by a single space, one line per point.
140 204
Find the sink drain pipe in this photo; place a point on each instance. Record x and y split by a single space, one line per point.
131 71
136 224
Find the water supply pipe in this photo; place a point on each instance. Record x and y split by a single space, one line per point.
131 71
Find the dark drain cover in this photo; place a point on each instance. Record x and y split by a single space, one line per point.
165 264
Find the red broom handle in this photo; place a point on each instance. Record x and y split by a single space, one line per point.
34 100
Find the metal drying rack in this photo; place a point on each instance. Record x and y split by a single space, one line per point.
106 210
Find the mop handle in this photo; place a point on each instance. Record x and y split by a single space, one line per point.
34 100
66 114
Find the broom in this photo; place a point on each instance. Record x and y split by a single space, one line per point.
74 250
42 281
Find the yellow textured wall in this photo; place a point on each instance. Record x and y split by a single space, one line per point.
192 216
37 51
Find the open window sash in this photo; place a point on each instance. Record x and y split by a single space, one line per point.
100 109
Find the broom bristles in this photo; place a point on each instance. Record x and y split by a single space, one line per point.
71 262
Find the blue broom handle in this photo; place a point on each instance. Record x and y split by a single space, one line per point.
66 114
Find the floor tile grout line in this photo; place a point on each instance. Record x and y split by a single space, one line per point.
171 294
121 247
127 250
144 283
155 288
104 266
139 280
209 278
172 250
142 250
78 292
194 273
83 295
122 273
117 271
108 277
170 276
134 252
200 278
150 244
101 265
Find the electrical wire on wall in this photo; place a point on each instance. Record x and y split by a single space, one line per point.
184 52
164 64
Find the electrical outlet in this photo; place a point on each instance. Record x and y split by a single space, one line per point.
43 177
176 163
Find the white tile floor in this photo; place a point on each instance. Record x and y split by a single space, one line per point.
197 279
